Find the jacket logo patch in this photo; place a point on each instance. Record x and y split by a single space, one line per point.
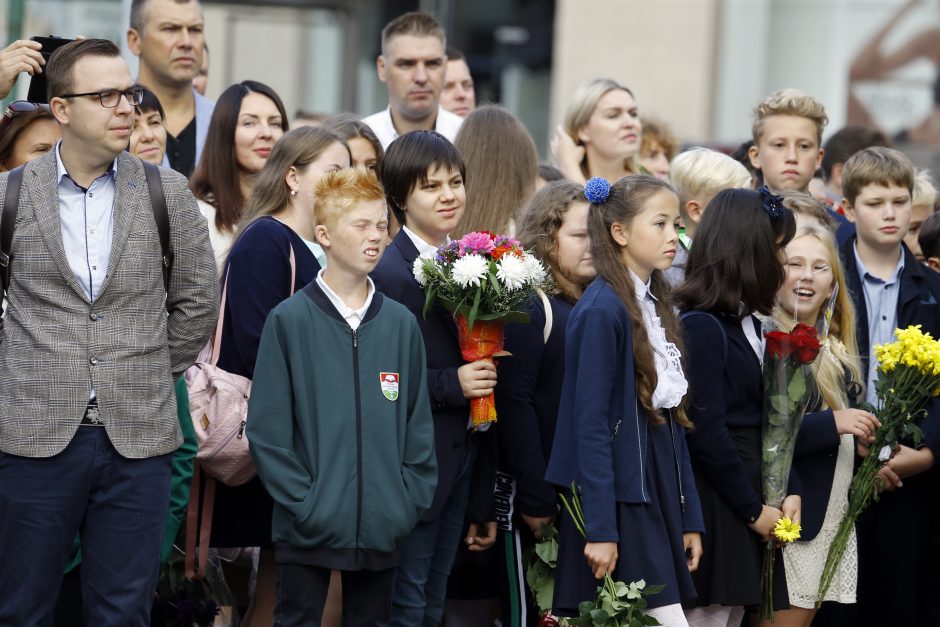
389 383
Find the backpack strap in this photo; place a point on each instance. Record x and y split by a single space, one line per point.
721 328
161 217
11 205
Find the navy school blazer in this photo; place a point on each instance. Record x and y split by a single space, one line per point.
602 432
393 277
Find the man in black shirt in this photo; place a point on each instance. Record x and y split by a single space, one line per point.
168 37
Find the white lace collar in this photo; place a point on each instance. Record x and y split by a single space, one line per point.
671 384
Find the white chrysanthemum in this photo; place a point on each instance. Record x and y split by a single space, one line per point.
418 270
512 271
469 270
534 268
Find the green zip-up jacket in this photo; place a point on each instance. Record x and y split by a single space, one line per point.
341 432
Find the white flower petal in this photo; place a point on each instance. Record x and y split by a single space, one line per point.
469 270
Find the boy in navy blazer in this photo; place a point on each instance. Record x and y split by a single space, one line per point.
423 178
892 290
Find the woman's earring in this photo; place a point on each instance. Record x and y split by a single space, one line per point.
293 192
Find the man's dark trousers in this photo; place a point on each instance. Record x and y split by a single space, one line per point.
119 506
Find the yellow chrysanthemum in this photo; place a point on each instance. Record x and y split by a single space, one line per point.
914 349
787 530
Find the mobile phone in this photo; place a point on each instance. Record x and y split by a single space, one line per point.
37 85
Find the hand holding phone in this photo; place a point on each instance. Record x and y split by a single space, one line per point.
37 85
22 55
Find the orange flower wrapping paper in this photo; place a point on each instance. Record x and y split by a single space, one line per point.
482 342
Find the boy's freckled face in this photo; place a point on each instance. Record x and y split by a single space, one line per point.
358 239
881 213
787 153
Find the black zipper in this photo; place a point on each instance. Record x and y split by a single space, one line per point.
675 456
355 356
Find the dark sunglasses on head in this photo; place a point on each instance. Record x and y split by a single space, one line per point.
17 107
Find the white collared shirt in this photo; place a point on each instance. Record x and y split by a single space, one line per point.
447 124
671 384
353 317
87 222
424 249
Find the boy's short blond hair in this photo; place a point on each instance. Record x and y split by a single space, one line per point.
876 165
339 191
924 191
790 102
804 203
700 173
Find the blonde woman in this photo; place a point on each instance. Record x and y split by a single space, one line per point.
601 133
825 448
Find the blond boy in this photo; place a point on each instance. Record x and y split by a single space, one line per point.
697 175
788 128
922 207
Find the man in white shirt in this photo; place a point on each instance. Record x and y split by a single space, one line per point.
412 66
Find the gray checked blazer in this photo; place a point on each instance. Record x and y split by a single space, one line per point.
130 343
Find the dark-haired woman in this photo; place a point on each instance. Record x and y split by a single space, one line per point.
248 120
733 272
619 438
148 134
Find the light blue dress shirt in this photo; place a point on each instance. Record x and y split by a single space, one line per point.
881 301
87 218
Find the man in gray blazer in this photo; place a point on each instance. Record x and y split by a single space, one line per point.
91 344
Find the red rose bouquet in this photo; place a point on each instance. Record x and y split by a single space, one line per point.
787 376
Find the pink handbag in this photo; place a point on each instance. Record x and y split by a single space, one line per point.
218 403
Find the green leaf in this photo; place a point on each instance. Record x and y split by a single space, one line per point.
655 589
650 620
797 388
600 617
472 317
781 404
429 299
547 551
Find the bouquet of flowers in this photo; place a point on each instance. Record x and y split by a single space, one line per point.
908 377
617 604
485 280
787 358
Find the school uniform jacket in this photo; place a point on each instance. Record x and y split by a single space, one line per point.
602 433
347 456
918 303
393 277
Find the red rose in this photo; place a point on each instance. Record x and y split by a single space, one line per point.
779 344
805 343
547 620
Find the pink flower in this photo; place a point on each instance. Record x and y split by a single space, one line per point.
476 242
